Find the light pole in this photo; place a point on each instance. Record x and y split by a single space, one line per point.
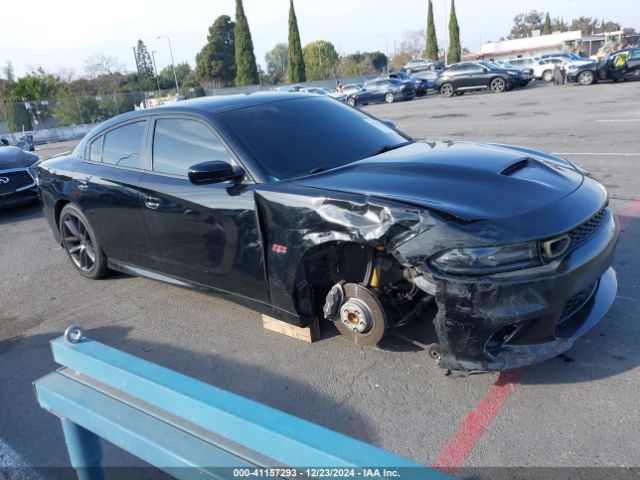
445 33
386 51
173 65
155 68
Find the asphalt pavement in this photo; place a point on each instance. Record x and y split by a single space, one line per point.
577 411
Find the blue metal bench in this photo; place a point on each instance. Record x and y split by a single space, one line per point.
188 428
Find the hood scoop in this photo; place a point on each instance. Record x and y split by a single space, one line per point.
515 166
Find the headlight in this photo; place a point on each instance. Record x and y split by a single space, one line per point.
486 260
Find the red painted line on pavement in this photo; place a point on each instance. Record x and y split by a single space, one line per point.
631 211
461 444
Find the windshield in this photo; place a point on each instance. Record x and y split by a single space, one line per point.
296 137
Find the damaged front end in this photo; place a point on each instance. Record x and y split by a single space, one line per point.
508 319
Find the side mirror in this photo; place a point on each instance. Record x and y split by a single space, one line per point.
389 123
214 172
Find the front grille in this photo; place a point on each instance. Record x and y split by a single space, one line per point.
581 234
16 180
577 301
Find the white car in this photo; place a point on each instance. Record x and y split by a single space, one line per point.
543 68
323 91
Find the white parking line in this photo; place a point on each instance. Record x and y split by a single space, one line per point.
13 463
619 120
608 154
631 299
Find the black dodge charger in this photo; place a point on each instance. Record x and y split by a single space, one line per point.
302 207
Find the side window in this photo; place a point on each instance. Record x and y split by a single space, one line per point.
123 145
635 54
181 143
95 150
459 70
476 69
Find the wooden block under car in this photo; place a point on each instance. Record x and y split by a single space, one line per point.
307 334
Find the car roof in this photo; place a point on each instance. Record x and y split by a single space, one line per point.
206 105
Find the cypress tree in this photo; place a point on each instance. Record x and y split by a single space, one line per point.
455 51
431 51
296 72
546 26
246 68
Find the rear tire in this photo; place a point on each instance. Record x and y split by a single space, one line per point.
81 244
389 98
547 75
447 90
351 102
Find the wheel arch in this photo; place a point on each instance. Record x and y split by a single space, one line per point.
325 264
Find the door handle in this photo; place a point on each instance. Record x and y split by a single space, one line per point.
151 202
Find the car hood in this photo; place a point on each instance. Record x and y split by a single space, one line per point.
14 157
471 181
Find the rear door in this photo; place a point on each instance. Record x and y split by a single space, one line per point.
633 63
108 191
206 234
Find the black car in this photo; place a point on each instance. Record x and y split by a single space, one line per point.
386 90
420 85
265 199
619 65
17 176
463 77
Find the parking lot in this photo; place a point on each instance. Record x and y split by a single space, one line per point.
577 411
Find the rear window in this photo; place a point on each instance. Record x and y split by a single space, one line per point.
123 145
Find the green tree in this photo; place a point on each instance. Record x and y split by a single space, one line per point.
431 51
455 50
546 27
216 62
320 59
145 66
587 25
525 23
167 80
296 72
277 63
246 68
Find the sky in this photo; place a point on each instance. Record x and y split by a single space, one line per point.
59 36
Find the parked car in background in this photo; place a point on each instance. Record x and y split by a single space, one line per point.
572 57
463 77
17 176
382 90
420 85
543 68
302 208
527 72
619 65
421 65
351 88
522 62
323 91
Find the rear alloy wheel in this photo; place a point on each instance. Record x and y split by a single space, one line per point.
585 78
351 101
447 90
80 243
635 73
547 75
497 85
389 98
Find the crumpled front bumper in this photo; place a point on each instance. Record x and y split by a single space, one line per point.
506 321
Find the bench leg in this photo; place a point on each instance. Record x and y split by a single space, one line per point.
85 451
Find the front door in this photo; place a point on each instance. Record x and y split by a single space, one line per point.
207 234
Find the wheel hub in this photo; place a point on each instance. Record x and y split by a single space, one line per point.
355 315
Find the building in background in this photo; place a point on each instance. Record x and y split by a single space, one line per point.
537 45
